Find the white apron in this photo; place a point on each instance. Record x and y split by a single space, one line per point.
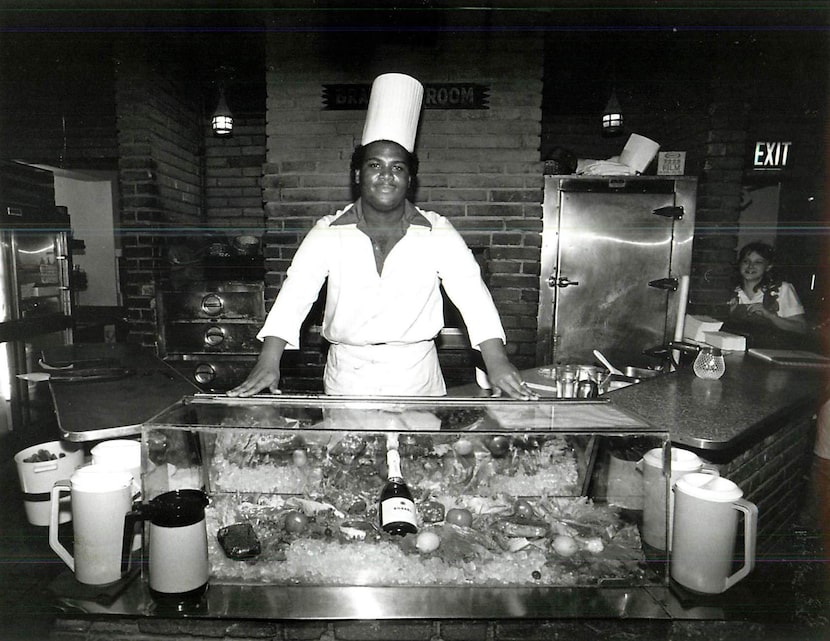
384 370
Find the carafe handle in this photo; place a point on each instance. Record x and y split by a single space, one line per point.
750 511
54 508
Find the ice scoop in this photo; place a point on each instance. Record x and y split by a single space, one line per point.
601 358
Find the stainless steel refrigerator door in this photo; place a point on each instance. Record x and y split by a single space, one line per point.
35 313
39 270
605 241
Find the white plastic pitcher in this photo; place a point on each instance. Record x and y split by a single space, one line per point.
705 530
123 455
657 529
101 498
120 454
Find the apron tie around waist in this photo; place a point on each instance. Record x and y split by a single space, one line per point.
390 369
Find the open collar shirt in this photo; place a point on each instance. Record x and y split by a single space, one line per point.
374 297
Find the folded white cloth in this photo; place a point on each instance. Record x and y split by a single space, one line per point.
604 168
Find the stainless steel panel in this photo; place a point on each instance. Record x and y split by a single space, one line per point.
213 301
224 337
35 301
99 409
367 603
213 373
603 244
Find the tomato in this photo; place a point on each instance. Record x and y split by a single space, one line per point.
498 446
522 509
459 516
295 521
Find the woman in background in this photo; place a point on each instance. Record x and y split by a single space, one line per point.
763 304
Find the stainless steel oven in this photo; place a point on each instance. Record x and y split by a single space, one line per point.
207 330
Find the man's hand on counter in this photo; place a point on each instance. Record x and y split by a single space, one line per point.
266 372
503 376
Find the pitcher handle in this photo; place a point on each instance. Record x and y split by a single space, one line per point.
130 519
750 511
54 508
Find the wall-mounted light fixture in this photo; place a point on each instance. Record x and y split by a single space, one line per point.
612 117
222 120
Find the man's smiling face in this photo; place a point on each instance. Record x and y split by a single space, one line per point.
384 176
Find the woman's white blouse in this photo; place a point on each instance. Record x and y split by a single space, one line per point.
788 302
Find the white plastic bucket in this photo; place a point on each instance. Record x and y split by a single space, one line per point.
37 478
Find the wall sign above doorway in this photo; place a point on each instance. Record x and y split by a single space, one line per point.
454 95
771 156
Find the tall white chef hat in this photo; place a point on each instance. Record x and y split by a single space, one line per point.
394 110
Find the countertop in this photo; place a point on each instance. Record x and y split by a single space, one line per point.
751 397
719 414
90 410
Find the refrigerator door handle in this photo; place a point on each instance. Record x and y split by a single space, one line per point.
665 283
562 281
670 211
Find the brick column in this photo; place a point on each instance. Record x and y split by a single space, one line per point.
160 182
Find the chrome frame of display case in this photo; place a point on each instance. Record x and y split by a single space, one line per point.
228 599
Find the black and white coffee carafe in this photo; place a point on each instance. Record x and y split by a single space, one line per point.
176 547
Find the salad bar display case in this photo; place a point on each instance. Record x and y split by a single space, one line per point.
514 514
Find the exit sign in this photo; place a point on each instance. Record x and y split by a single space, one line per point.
771 156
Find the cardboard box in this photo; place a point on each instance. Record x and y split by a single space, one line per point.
695 326
726 341
671 163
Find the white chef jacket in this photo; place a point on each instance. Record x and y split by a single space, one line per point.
788 302
382 326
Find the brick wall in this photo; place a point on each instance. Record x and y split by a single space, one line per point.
68 118
718 207
233 171
480 168
159 181
773 474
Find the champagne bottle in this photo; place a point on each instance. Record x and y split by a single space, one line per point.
397 509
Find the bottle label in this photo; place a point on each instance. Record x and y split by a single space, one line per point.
397 509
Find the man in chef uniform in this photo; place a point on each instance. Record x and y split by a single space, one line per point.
384 259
